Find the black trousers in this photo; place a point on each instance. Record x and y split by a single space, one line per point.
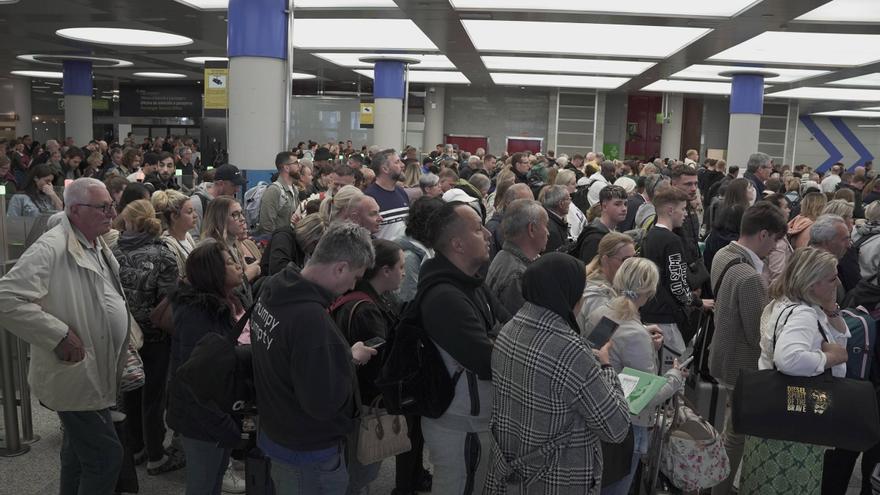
839 466
145 407
410 465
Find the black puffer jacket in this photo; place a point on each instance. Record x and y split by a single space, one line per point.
195 315
148 270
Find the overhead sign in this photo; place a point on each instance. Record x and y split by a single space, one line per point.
216 89
367 115
160 100
97 104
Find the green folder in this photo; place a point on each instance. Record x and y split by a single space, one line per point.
639 393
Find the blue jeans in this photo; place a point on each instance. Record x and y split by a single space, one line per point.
205 465
640 448
91 453
328 477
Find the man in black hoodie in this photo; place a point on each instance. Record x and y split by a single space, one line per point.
462 317
303 366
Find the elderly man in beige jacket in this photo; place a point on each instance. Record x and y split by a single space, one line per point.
64 297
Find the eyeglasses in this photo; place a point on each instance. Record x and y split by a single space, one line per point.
237 215
106 208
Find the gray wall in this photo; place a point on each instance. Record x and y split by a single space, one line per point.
497 113
716 123
614 128
808 150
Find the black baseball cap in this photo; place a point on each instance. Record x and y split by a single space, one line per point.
230 173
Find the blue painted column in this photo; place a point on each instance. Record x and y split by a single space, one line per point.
746 107
388 94
258 75
77 84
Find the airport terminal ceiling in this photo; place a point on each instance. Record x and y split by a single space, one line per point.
826 54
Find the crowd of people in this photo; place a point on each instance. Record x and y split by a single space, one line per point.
511 263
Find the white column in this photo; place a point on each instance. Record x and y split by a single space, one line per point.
388 123
256 111
21 99
670 138
78 118
742 138
435 114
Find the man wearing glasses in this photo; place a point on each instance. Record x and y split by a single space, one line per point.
64 298
281 198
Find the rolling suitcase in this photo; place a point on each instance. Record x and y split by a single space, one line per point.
707 396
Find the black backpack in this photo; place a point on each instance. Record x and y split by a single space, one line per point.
414 379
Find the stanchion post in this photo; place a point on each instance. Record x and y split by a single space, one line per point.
13 443
24 393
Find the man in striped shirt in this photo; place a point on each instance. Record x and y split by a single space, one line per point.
392 199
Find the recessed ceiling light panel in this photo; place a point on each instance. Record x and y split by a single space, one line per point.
793 48
354 34
557 80
851 113
569 65
858 11
609 40
428 76
41 74
711 73
838 94
59 60
353 59
675 8
160 75
865 80
345 4
124 37
679 86
206 4
301 76
202 60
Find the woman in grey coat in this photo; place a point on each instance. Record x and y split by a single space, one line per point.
553 400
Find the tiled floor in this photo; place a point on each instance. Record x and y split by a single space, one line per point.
36 473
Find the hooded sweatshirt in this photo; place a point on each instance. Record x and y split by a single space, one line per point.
869 250
799 231
302 367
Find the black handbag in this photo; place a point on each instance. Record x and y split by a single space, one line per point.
820 410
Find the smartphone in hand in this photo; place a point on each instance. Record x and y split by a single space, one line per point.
375 343
602 332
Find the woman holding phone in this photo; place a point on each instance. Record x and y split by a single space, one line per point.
634 346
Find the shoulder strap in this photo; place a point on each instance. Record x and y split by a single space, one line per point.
776 327
357 295
240 324
731 264
863 239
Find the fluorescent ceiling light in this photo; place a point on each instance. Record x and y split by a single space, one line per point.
840 94
301 75
363 34
202 60
851 113
676 8
59 60
206 4
860 11
353 60
344 4
699 87
160 75
570 65
872 108
788 47
557 81
38 73
428 76
866 80
615 40
710 72
125 37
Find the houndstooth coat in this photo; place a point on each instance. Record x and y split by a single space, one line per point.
552 406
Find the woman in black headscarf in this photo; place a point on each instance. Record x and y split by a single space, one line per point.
554 399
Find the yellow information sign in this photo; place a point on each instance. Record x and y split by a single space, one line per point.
366 117
216 90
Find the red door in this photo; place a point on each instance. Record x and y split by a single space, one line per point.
468 143
516 145
642 129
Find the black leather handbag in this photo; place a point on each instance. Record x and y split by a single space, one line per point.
820 410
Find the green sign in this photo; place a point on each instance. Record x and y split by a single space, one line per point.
611 151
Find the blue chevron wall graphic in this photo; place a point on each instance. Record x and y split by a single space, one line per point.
864 154
834 154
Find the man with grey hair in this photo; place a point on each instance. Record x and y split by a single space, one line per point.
525 232
758 170
833 179
392 199
64 298
493 225
303 365
556 201
831 233
473 164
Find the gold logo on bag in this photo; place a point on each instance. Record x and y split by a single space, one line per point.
797 400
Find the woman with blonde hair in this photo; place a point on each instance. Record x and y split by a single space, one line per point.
224 222
495 200
614 249
178 217
635 346
341 203
294 244
802 334
799 226
147 271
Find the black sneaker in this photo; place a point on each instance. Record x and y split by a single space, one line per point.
172 463
140 457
